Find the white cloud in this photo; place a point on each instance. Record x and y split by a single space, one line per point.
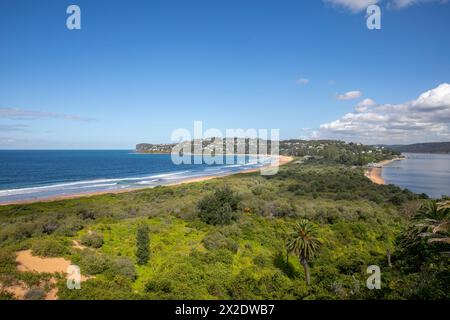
426 118
364 105
438 98
406 3
402 3
352 5
302 81
361 5
21 114
349 95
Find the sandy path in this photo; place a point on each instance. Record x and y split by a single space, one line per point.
77 245
282 161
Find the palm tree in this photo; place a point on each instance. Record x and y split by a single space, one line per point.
304 243
435 219
433 223
444 205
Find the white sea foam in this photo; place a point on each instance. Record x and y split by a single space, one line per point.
121 183
83 184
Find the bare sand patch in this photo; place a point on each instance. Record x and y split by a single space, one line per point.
18 290
28 262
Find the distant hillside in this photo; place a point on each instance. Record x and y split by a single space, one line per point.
432 147
325 150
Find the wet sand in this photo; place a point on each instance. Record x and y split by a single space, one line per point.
374 173
282 161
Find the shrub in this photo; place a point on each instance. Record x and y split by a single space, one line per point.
5 295
34 294
48 248
86 214
70 226
142 244
220 207
92 239
260 261
50 227
92 262
159 285
216 240
257 190
123 267
7 261
279 209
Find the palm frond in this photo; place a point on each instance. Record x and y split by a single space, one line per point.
303 241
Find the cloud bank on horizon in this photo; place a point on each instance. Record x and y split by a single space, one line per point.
360 5
423 119
22 114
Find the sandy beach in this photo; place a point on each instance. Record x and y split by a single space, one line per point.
374 173
282 161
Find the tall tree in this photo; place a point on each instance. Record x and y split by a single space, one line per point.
142 244
305 244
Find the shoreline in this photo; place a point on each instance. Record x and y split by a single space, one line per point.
374 173
282 161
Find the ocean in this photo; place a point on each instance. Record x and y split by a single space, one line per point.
40 174
421 173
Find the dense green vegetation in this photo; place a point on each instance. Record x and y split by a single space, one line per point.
220 207
326 151
142 244
240 237
430 147
334 151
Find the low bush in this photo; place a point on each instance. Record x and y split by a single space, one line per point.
91 262
92 239
122 267
216 240
48 248
7 262
34 294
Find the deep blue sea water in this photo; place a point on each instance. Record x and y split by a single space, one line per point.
36 174
421 173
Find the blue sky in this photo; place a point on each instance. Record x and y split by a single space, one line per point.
137 70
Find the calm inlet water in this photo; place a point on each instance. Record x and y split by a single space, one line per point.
28 175
421 173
